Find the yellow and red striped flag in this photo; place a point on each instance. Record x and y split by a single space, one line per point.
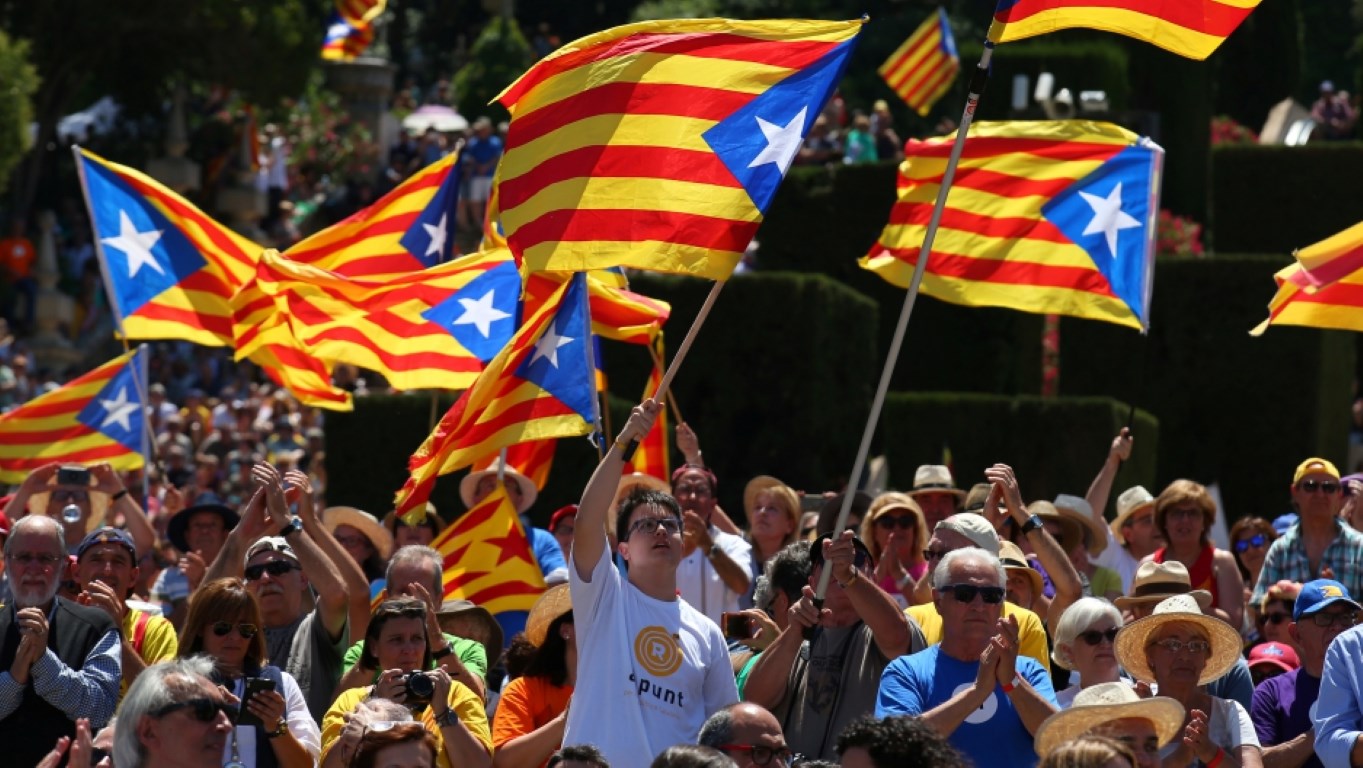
97 417
538 387
1047 217
1332 259
350 28
1338 305
658 145
533 459
1191 28
488 559
924 67
651 458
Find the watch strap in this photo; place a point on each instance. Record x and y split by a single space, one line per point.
1032 524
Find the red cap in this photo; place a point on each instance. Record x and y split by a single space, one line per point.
561 514
1276 654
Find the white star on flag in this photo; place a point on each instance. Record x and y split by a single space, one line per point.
480 312
783 142
547 346
1108 217
118 411
437 234
137 245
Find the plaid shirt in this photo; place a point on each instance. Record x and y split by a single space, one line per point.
1287 559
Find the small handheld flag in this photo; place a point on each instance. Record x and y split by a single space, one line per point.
924 67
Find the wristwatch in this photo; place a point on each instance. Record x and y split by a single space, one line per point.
295 525
280 729
1032 524
714 550
441 653
447 718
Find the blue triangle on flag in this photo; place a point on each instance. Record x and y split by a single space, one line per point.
117 410
558 361
485 313
431 237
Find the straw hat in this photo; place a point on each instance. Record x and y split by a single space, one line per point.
1155 581
1079 510
1012 558
1133 639
469 485
975 499
1102 703
179 523
552 604
1132 500
365 523
935 478
634 480
463 618
1071 530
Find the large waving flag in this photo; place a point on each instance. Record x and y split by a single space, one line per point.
538 387
170 269
97 417
488 559
923 68
1048 216
1338 305
1191 28
659 145
617 314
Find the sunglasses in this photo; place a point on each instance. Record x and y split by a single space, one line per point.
275 568
1094 636
905 522
205 710
1257 541
648 525
1274 618
1195 647
933 555
1327 620
247 631
1311 486
966 593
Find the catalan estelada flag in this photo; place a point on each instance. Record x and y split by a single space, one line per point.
488 559
170 270
659 145
1332 259
924 67
1191 28
618 314
350 28
1047 216
1338 305
650 457
97 417
533 459
538 387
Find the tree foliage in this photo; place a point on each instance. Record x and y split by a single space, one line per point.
18 82
499 56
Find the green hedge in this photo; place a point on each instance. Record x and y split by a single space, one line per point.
1054 444
1277 199
1080 61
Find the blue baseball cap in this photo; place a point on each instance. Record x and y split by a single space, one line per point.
1319 594
107 535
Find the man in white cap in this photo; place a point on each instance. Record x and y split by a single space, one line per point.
1132 535
935 491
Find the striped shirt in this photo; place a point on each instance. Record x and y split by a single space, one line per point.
1287 560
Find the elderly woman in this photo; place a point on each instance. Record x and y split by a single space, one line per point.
1184 513
773 512
1178 650
1090 752
533 710
224 624
896 534
1084 644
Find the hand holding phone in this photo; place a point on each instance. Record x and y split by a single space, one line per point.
254 685
737 626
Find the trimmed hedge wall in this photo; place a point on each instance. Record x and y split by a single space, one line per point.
1277 199
1054 444
1080 60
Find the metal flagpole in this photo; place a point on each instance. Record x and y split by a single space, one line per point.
977 83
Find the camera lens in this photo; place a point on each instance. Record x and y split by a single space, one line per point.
420 688
71 514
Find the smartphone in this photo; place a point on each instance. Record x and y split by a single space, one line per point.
737 626
254 685
74 475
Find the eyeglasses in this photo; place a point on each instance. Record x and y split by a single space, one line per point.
699 490
1183 513
26 560
275 568
247 631
1174 645
1095 636
905 522
61 495
933 555
1327 620
1311 486
761 755
648 525
966 593
1257 541
1273 618
205 710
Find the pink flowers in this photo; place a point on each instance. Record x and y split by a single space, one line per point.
1178 236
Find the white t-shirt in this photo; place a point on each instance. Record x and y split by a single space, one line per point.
1117 558
657 669
1229 727
699 583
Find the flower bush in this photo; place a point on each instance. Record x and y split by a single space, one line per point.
1226 131
1178 236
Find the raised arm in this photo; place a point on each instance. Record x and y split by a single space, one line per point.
139 527
356 585
36 481
1064 577
231 559
888 624
600 492
322 573
1101 487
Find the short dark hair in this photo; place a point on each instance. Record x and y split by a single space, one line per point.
788 571
691 756
640 497
585 753
898 740
392 608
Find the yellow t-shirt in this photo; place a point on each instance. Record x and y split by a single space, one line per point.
159 642
1031 635
463 701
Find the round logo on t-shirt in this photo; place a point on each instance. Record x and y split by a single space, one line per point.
986 711
657 651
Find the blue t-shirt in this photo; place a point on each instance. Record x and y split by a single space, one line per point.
994 734
480 152
1282 709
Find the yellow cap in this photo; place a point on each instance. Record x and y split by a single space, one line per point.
1314 465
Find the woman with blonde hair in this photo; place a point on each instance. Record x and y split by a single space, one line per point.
896 533
1184 513
773 511
1090 752
1084 643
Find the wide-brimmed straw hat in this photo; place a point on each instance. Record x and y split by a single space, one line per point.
1134 638
1079 510
1156 581
635 480
1132 500
555 602
1013 559
935 478
1071 530
365 523
469 485
1102 703
179 523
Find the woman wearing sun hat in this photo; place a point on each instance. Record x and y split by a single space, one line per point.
364 538
896 519
1177 649
528 726
1114 710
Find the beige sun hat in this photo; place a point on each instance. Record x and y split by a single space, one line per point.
1071 530
466 619
935 478
634 480
1102 703
1156 581
555 602
1078 509
365 523
1013 559
1133 639
469 484
1132 500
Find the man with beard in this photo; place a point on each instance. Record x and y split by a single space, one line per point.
60 660
716 567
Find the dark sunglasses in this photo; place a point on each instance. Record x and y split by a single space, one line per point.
966 593
1258 540
1311 486
1274 618
1094 637
247 631
905 522
205 710
274 568
933 555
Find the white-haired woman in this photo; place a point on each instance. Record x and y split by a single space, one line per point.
1085 643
